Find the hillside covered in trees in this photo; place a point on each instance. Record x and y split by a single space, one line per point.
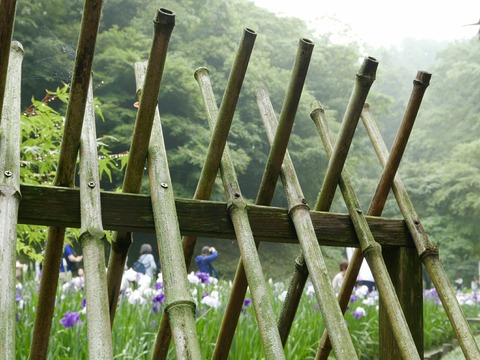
441 167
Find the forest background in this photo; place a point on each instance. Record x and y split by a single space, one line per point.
440 168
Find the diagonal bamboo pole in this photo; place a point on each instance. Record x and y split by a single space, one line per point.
180 306
9 199
267 187
237 208
65 173
300 215
7 14
420 85
209 172
364 79
92 239
372 252
426 250
164 22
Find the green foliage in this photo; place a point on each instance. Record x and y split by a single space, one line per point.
41 135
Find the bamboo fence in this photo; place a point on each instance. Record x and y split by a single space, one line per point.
178 222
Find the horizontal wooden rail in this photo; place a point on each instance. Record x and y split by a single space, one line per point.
133 212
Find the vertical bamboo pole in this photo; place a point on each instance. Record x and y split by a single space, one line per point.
372 252
300 214
237 209
7 14
427 251
208 174
364 80
65 173
92 239
9 200
180 306
164 22
420 85
267 187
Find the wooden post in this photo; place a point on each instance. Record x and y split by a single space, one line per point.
405 269
9 199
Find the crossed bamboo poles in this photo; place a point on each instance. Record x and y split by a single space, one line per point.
179 305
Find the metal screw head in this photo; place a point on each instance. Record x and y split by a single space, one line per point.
164 185
91 184
8 173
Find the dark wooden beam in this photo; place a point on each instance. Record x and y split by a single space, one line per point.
59 206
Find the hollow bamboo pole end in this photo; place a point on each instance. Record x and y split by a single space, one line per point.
315 108
164 18
368 69
422 79
200 72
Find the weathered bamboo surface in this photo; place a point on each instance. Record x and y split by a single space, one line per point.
93 239
7 12
10 197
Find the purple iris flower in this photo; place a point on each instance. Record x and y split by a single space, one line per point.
160 298
158 286
204 277
247 302
84 302
205 295
70 319
18 296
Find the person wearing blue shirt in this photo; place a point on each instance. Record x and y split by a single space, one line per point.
68 259
204 261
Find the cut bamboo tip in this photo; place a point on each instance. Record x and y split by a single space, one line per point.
17 46
423 78
316 106
201 71
368 69
164 18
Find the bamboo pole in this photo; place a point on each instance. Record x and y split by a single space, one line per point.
300 214
7 14
364 79
285 124
164 22
371 250
420 85
212 160
65 173
9 199
267 188
92 239
180 306
426 250
237 208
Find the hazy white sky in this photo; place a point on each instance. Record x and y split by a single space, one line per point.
378 22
